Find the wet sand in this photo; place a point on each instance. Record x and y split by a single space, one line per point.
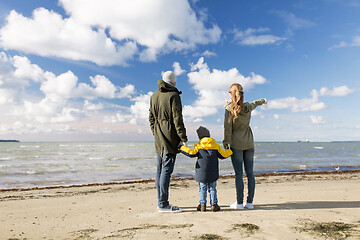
286 206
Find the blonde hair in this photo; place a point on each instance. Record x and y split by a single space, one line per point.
237 100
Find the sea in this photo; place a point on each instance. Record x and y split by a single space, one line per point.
47 164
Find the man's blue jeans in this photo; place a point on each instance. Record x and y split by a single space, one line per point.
165 167
239 158
203 187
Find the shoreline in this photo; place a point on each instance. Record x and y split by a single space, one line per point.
136 181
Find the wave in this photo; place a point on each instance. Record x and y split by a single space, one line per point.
35 172
96 158
26 146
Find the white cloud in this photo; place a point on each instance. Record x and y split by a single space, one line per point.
108 32
197 120
139 111
293 21
177 69
58 97
92 107
355 43
67 115
212 86
66 86
125 92
206 53
297 105
59 87
254 37
255 113
48 34
317 119
21 128
6 96
26 70
336 91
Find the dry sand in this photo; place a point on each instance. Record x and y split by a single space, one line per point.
286 207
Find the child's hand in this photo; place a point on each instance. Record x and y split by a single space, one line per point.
185 143
226 146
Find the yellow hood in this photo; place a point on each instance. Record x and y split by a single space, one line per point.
208 143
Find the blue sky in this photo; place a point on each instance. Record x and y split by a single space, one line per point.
83 70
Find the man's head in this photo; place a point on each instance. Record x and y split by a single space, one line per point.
169 77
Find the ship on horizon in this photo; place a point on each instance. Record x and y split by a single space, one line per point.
306 140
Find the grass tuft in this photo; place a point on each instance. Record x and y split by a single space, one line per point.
249 228
209 237
337 230
129 233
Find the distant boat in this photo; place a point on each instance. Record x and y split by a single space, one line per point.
303 140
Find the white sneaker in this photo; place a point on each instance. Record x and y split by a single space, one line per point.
170 208
235 205
249 206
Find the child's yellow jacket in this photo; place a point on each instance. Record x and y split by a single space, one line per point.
207 165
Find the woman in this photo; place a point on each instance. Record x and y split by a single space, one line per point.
238 135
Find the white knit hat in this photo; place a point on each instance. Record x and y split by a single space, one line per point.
169 77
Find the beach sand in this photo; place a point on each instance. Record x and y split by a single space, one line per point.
287 206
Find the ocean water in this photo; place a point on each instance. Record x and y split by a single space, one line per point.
32 164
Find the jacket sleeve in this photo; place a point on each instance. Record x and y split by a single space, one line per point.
151 118
189 151
256 103
178 119
227 129
223 154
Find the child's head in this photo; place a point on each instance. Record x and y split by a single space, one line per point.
202 132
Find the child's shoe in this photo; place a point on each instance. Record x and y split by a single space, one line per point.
201 207
249 206
235 205
215 208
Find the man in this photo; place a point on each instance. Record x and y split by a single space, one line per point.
168 128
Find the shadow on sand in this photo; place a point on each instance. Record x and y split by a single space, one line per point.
291 206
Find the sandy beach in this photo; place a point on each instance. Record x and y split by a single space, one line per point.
287 206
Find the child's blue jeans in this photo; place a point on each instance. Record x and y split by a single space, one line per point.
203 187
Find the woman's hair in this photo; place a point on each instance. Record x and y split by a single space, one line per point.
237 100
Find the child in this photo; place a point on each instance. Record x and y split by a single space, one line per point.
207 166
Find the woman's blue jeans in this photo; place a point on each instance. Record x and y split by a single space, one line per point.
203 187
238 159
165 167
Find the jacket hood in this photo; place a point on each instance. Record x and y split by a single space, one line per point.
165 87
207 143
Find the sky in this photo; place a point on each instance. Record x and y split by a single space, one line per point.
84 70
